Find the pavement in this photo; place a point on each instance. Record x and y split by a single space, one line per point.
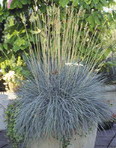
4 142
107 138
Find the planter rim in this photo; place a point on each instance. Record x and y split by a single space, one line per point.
110 88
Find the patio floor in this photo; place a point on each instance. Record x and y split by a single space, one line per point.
106 139
4 142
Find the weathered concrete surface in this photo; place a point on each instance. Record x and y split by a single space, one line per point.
3 105
87 141
4 100
110 96
49 143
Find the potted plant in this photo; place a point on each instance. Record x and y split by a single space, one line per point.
61 102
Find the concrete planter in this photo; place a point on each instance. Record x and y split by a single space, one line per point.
77 141
87 141
4 101
3 106
110 96
48 143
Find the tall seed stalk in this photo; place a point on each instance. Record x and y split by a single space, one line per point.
59 38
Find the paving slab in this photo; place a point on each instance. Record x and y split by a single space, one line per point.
103 141
114 127
107 133
4 142
107 138
113 143
7 146
3 105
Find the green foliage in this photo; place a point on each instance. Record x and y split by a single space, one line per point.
11 121
14 70
95 15
13 38
19 4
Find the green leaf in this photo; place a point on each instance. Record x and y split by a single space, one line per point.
29 1
75 2
1 12
90 19
5 46
1 47
16 48
19 4
99 6
18 44
96 1
63 3
97 21
96 18
24 2
104 2
87 1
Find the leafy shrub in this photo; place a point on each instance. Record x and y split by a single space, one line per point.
11 26
14 70
11 121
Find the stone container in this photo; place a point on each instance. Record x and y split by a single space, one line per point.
5 99
110 96
86 141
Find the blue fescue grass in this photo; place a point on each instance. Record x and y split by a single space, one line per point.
65 103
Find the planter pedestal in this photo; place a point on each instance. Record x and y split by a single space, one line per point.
48 143
110 96
3 105
77 141
110 99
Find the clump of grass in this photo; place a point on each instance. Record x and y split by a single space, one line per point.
63 95
66 103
